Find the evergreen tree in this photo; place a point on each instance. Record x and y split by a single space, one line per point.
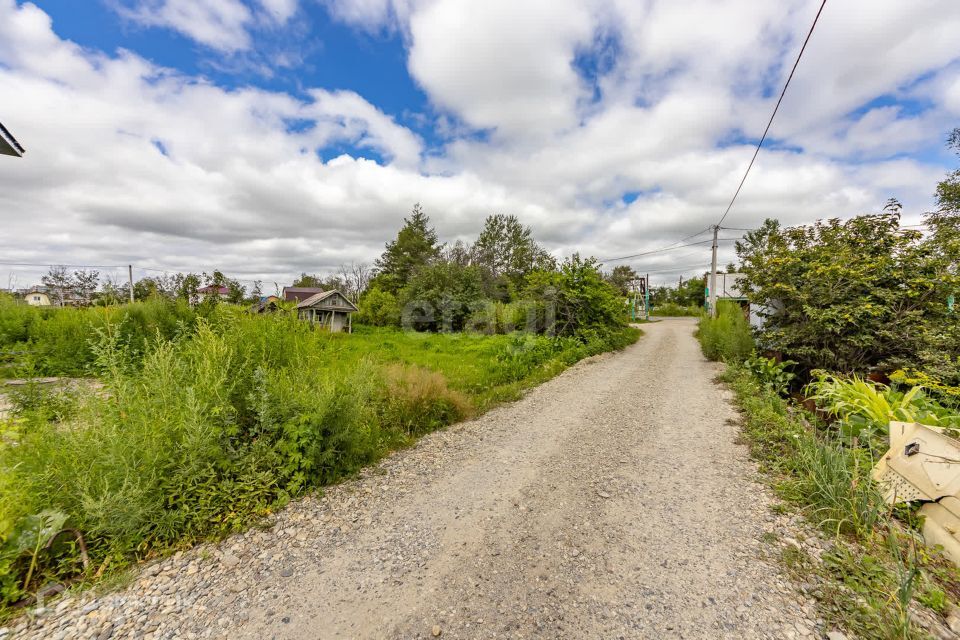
416 246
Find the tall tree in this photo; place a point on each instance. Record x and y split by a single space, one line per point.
185 285
355 277
945 222
85 284
622 278
948 191
506 249
307 280
415 247
59 282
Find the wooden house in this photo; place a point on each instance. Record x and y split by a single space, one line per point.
329 309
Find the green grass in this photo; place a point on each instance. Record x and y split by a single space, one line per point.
728 336
202 432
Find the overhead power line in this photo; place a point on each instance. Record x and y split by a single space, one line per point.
60 264
663 249
773 115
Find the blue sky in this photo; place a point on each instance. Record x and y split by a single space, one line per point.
269 137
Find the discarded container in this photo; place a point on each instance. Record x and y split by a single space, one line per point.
923 463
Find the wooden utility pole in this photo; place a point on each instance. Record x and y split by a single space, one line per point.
646 297
713 275
130 275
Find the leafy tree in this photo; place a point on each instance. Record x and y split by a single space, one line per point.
687 293
379 308
622 278
306 280
59 282
145 288
948 191
581 302
443 296
238 292
416 246
845 296
185 286
506 249
84 285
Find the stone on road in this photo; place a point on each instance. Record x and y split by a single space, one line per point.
610 502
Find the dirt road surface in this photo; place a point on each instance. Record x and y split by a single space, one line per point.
610 502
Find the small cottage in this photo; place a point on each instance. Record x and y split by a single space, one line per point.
329 309
37 298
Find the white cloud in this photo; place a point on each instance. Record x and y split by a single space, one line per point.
502 64
219 24
131 162
223 25
279 10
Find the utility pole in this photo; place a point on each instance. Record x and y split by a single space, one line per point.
130 274
646 297
713 275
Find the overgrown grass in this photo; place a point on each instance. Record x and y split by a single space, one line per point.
215 421
875 572
726 337
51 341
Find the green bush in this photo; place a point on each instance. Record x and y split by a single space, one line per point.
674 310
576 300
728 336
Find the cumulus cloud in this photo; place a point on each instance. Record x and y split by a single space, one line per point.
610 126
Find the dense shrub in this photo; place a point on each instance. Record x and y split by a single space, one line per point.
576 300
57 341
856 295
728 336
379 308
674 310
442 296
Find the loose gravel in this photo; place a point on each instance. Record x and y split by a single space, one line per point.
611 502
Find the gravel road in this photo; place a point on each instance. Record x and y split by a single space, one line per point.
610 502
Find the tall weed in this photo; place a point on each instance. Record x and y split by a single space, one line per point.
726 337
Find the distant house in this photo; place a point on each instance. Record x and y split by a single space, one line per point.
329 309
728 288
300 293
36 298
210 291
266 304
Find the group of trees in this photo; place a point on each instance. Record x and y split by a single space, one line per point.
862 294
427 285
71 288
